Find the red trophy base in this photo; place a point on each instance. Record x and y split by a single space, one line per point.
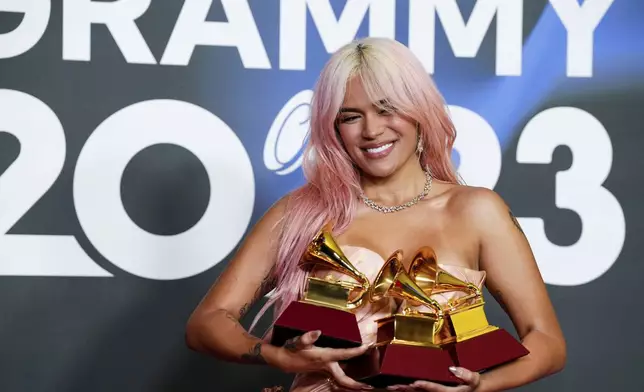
339 328
395 363
399 363
486 351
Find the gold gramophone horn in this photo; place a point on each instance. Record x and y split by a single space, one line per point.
386 277
393 281
432 279
323 250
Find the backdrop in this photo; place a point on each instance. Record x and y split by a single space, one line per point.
139 142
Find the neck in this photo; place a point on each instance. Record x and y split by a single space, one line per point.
402 186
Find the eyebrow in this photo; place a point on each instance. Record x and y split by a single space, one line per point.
382 102
347 110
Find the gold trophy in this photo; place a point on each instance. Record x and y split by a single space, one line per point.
409 327
422 344
464 317
324 252
408 344
328 303
474 343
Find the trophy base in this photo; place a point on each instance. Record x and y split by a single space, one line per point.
488 350
402 362
399 363
339 327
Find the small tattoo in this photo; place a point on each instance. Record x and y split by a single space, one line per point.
291 344
254 355
232 318
244 310
267 285
515 221
274 389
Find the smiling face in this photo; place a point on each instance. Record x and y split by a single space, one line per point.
379 140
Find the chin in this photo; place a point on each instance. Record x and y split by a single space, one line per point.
379 171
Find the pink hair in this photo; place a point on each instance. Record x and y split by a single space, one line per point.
387 69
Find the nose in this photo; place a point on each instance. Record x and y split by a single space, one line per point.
373 128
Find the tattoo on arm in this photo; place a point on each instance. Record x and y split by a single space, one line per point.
237 324
291 344
244 309
515 221
267 285
254 355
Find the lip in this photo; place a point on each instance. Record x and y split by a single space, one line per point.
376 145
378 154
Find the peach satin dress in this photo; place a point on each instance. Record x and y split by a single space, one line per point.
369 263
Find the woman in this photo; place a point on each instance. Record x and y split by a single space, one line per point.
379 166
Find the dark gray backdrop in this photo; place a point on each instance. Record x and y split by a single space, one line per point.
79 317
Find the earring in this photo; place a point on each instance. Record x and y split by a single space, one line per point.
419 143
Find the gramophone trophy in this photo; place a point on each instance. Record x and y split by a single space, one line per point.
422 345
475 344
327 304
408 344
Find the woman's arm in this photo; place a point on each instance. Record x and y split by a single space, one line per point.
214 327
514 280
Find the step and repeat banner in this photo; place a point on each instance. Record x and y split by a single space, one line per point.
140 140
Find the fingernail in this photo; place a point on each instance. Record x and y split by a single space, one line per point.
317 334
454 370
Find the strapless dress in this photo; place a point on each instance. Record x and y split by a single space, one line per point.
369 263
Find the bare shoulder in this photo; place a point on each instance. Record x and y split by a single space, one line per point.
277 211
271 222
478 202
264 235
481 209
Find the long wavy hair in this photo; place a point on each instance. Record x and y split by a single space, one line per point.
388 70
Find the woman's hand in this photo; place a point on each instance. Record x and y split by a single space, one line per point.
300 355
471 382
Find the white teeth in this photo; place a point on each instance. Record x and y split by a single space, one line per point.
379 149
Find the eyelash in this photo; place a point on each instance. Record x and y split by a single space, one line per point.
384 112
